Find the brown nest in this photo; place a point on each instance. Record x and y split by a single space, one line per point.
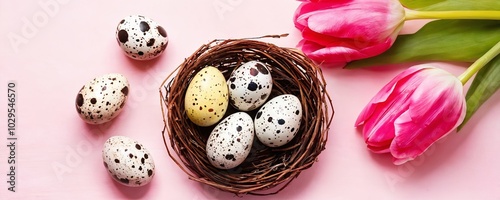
264 168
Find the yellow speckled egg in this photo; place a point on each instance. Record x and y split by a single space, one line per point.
207 97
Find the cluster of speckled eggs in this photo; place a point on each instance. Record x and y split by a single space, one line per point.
103 98
248 88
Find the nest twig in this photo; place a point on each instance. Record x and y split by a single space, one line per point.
265 168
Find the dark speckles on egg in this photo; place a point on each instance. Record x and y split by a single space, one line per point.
145 39
262 69
97 102
208 97
162 31
283 115
124 180
79 100
249 88
122 36
228 143
120 158
124 90
151 42
254 72
144 26
252 86
258 115
230 157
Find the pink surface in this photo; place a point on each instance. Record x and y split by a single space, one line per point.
73 41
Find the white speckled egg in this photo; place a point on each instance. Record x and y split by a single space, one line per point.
278 120
127 161
230 141
141 37
206 98
249 86
102 99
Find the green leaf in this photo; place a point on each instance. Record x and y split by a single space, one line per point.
441 40
452 4
486 82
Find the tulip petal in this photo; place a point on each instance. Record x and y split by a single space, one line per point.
341 51
326 40
379 129
359 24
383 95
379 149
438 90
307 9
436 108
367 20
385 108
318 53
340 31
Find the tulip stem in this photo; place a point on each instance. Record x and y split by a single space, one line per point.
459 14
476 66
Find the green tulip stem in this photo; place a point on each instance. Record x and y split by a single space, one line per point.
476 66
459 14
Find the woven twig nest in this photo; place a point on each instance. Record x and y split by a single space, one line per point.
265 167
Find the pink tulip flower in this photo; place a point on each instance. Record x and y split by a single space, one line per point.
410 113
340 31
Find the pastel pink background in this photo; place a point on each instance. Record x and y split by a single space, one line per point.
76 42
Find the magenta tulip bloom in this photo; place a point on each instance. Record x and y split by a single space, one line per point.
340 31
414 110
